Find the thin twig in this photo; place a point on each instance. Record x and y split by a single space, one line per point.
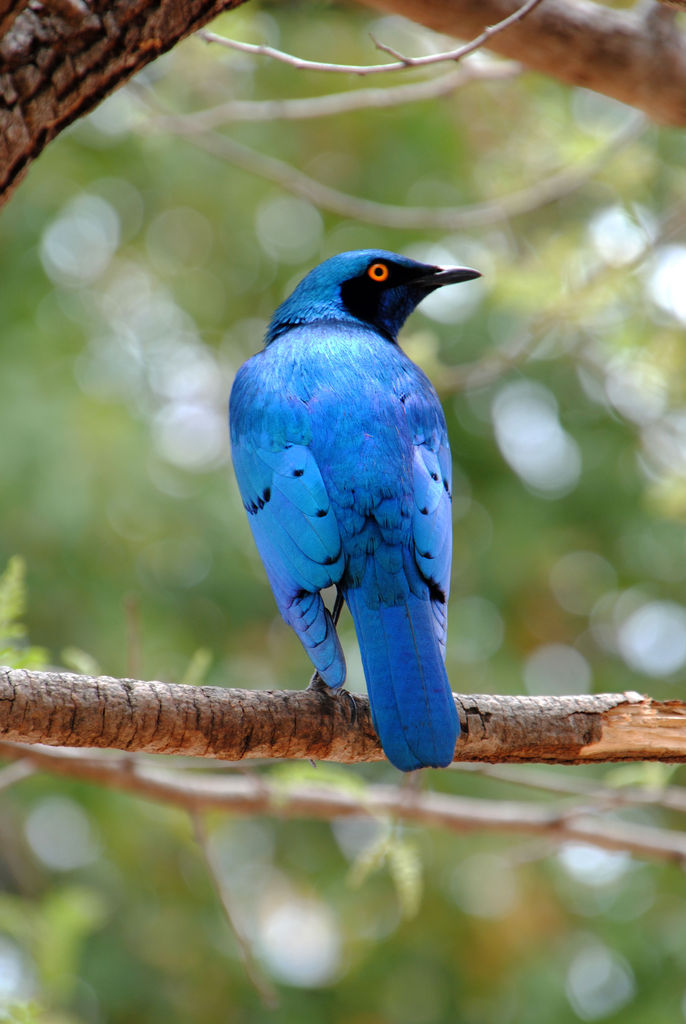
339 102
462 51
671 798
260 983
299 63
400 64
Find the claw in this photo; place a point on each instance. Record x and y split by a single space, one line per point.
353 706
319 686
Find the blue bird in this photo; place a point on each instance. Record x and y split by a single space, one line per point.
341 453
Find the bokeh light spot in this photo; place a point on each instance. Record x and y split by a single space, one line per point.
592 865
289 230
557 669
485 885
652 639
532 440
76 247
300 942
60 834
666 281
599 982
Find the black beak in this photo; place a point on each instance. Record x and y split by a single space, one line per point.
436 277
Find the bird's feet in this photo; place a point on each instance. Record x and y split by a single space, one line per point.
339 693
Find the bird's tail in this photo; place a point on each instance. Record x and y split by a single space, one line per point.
412 706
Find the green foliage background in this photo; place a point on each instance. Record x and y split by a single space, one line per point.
137 274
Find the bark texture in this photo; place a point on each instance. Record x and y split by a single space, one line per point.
58 60
60 709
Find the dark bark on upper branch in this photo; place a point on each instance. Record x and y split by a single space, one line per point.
58 60
60 709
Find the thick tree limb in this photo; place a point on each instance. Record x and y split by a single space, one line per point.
60 709
59 60
636 56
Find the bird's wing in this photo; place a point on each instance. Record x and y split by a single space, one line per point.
297 536
431 517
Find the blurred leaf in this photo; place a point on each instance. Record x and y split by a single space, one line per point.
14 650
12 598
80 661
54 931
22 1013
405 866
17 918
68 917
401 857
647 775
287 776
198 667
372 858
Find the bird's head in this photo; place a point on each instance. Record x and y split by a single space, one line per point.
370 286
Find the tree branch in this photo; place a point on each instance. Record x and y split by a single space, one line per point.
61 709
401 62
332 104
627 55
258 795
671 798
60 60
548 190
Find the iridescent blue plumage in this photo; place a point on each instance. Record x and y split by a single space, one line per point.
341 453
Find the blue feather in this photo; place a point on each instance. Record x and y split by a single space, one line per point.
341 454
412 707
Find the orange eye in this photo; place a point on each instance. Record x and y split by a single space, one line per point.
378 272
